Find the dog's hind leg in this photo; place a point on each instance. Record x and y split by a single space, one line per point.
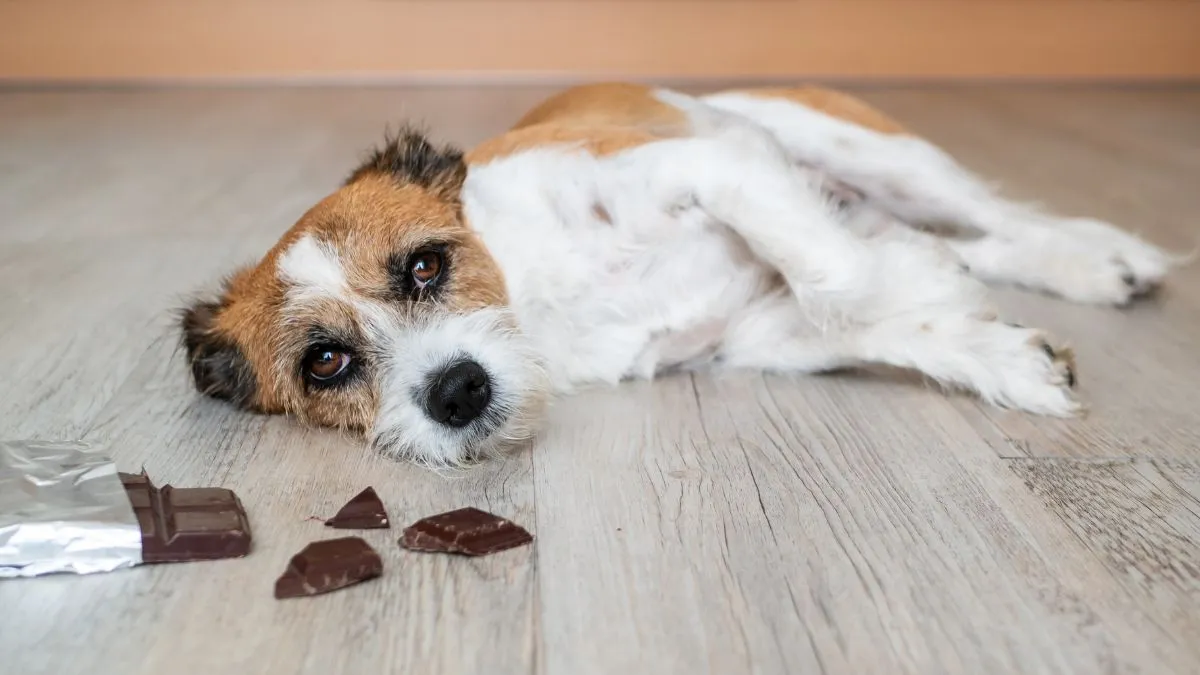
1079 259
897 298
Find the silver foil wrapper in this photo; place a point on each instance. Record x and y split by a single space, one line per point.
63 509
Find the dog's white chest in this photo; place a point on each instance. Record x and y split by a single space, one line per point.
613 283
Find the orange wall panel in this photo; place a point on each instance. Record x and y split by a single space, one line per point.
135 40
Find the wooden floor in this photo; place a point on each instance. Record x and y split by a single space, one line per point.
745 524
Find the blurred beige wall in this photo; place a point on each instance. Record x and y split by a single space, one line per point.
65 40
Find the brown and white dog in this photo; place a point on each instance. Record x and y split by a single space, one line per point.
435 301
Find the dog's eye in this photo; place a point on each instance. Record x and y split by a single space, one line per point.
425 268
325 364
420 274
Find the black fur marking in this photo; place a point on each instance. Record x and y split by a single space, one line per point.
411 158
219 368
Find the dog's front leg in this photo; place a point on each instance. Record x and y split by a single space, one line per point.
1004 365
897 298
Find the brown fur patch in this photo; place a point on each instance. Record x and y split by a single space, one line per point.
598 140
601 213
833 103
607 104
373 218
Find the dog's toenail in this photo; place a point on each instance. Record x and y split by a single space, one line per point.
1070 378
1129 279
1049 351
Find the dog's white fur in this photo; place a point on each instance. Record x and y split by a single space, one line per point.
723 248
685 274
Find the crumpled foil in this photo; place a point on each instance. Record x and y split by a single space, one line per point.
63 509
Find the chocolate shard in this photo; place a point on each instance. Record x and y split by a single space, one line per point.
187 524
365 511
328 565
467 531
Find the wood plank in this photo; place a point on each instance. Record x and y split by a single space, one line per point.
782 513
1142 519
909 473
81 316
1104 154
1133 127
687 577
140 40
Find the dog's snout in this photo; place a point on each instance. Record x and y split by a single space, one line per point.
459 394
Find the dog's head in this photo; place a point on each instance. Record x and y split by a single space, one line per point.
379 311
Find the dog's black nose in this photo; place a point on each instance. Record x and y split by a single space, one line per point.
459 394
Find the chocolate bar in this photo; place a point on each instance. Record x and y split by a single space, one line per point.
328 565
186 524
365 511
467 531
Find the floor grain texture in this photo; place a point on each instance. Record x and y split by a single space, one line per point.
741 524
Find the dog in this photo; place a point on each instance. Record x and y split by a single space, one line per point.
437 300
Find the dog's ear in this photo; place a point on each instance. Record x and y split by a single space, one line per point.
218 367
409 157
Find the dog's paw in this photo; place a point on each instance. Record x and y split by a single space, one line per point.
1103 264
1026 372
1094 277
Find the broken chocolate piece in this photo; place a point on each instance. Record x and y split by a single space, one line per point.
467 531
365 511
328 565
186 524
